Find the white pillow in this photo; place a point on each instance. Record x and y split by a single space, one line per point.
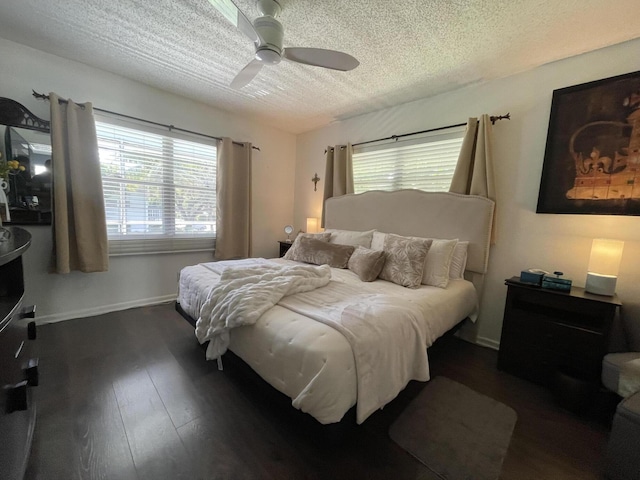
377 242
350 237
438 262
459 260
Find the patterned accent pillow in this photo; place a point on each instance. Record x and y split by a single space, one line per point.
405 260
294 247
311 250
366 263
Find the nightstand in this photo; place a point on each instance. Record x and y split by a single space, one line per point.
284 246
549 333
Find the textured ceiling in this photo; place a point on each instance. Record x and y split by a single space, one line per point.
408 49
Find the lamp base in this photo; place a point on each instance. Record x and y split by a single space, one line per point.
601 284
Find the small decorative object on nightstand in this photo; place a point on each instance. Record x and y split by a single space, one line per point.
284 246
288 229
554 337
556 283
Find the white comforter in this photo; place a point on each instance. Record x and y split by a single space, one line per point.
307 360
386 333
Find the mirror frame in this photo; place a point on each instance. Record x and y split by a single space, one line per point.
14 114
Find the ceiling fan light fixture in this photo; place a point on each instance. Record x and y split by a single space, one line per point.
268 56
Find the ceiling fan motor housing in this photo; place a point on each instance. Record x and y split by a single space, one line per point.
268 7
272 34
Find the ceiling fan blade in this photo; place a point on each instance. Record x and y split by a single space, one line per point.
237 18
321 58
247 74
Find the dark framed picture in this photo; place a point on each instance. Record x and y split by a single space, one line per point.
592 157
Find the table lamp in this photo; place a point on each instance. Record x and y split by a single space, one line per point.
312 225
604 265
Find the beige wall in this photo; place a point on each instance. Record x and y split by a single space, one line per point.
138 280
525 239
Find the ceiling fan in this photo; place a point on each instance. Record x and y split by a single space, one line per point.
267 34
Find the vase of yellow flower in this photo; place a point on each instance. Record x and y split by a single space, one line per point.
11 167
8 172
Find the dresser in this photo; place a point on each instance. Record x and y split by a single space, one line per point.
546 333
18 367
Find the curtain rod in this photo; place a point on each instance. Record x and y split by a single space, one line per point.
493 118
42 96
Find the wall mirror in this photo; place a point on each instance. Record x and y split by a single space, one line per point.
25 166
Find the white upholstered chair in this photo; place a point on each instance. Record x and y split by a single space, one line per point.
621 373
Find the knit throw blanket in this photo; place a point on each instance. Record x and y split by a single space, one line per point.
245 293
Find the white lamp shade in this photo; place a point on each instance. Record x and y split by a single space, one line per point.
312 225
604 264
605 256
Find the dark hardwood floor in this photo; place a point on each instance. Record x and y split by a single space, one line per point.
129 395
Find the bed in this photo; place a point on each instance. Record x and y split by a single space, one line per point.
316 364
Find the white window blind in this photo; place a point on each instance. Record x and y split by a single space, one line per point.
425 163
159 189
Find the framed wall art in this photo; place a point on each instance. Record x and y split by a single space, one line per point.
592 157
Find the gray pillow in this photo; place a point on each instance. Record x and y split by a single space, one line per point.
366 263
405 260
350 237
311 250
291 253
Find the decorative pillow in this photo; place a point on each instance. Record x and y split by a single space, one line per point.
366 263
436 268
350 237
294 247
405 259
377 242
459 260
318 252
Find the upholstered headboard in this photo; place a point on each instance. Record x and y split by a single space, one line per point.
420 214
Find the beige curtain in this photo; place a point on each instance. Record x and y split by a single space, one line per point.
474 173
233 191
79 225
338 173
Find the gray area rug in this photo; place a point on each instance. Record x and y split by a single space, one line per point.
455 431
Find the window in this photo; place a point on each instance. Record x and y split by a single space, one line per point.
425 163
159 189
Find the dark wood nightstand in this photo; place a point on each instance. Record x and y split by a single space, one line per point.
284 246
548 332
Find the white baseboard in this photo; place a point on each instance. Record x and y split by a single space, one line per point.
91 312
488 342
